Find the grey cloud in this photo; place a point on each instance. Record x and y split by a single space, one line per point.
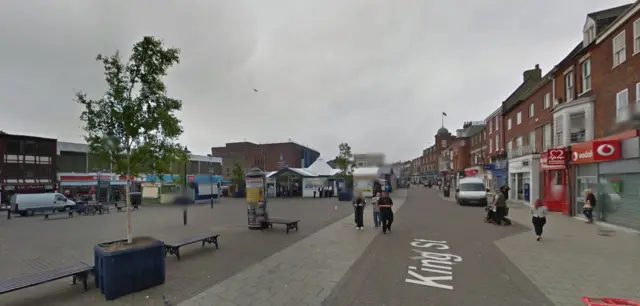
374 73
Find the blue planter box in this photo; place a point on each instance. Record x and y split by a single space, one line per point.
130 270
345 195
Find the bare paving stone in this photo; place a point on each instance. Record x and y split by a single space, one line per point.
572 260
311 267
26 247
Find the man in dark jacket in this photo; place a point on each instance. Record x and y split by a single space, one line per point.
505 191
386 213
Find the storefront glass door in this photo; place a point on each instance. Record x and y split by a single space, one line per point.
620 198
520 185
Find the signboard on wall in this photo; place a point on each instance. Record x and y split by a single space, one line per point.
553 159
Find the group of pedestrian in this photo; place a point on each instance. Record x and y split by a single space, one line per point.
324 192
382 209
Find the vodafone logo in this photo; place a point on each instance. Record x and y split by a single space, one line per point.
606 150
578 156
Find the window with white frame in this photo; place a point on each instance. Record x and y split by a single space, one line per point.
622 105
548 140
519 142
490 146
569 86
495 126
637 96
519 118
558 139
586 75
589 35
619 49
490 121
532 139
531 110
636 36
509 145
509 124
497 142
547 100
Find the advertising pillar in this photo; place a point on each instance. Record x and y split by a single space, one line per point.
257 214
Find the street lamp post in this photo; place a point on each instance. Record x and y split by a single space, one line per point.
211 178
184 187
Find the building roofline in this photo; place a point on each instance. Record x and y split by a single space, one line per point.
624 17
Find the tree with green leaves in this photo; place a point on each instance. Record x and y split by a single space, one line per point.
344 161
237 176
133 126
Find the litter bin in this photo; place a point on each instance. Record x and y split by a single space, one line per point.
445 191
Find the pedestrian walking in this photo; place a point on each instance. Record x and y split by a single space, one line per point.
359 204
376 212
505 191
539 217
386 213
589 205
321 191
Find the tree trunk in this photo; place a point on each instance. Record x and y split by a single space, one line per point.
128 197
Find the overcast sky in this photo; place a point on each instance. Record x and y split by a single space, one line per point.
374 73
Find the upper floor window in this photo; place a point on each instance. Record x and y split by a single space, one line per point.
497 142
636 36
490 146
496 124
586 75
569 86
531 110
509 124
589 35
622 105
519 118
619 49
519 142
547 100
490 121
637 97
443 143
509 145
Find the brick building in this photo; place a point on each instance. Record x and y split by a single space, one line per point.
270 157
28 165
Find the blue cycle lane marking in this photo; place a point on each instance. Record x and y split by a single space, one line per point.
432 269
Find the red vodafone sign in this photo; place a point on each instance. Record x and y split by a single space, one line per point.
554 159
596 151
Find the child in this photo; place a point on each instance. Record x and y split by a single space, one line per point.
376 212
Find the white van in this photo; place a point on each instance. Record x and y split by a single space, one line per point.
472 191
29 204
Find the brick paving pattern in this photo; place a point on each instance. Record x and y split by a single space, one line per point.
302 274
31 244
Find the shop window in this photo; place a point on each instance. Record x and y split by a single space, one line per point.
620 197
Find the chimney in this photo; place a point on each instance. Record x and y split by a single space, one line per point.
534 74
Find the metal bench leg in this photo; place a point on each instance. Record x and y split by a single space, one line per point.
215 242
178 253
46 217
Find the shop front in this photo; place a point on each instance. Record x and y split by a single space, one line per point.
610 167
498 175
524 178
92 186
553 166
9 189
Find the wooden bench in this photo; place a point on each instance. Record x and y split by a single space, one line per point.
54 212
174 248
291 224
79 271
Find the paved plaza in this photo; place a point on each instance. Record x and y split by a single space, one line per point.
439 253
31 244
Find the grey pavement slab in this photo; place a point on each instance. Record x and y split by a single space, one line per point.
464 267
575 259
31 244
303 274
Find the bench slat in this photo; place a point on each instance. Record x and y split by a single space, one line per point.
42 277
191 240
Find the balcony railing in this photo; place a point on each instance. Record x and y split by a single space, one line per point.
524 150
